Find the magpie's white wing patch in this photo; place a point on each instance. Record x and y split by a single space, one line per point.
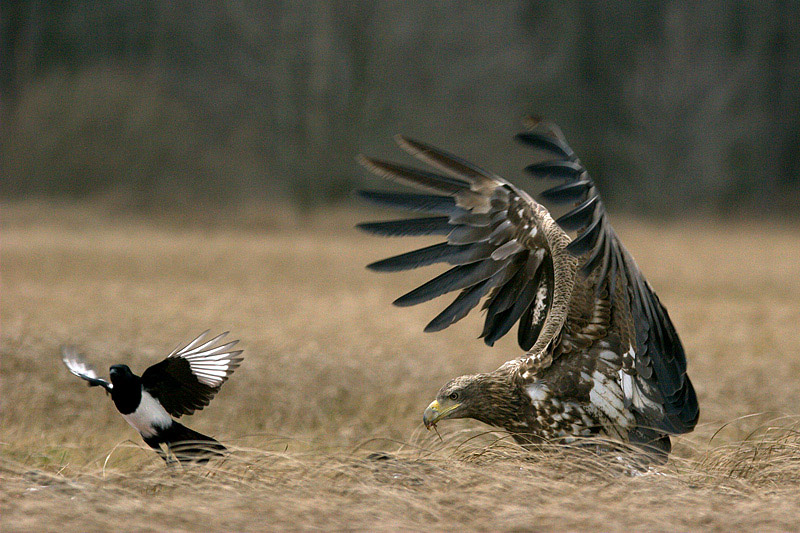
75 363
210 364
190 376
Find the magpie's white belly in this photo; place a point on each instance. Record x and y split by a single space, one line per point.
149 417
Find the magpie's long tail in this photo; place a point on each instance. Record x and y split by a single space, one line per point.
188 445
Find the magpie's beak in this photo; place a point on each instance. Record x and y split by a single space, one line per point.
437 411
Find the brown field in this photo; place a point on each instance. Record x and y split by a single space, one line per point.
333 373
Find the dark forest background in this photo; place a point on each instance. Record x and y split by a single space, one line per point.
672 106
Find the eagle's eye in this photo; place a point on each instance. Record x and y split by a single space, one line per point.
453 396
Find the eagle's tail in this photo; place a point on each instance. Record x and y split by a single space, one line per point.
188 445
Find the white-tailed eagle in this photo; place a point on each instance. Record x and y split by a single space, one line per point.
600 354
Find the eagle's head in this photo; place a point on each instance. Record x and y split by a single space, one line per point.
490 398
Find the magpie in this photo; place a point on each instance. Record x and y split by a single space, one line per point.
181 384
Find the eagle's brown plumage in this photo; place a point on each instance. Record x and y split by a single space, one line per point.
601 355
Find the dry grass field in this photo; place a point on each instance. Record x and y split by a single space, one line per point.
333 374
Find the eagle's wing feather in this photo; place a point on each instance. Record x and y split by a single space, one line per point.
656 384
502 245
191 376
76 363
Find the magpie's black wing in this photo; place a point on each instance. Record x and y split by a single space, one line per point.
189 377
76 364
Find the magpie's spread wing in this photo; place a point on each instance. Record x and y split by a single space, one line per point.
190 376
76 364
612 300
504 247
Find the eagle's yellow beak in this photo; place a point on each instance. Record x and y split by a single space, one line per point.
437 411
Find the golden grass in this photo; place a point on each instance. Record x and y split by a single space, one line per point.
333 373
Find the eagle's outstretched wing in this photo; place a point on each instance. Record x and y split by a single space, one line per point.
502 245
565 293
76 363
612 299
189 377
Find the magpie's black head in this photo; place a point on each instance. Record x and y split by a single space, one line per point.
121 375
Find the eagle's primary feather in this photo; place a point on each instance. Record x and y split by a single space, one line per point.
600 354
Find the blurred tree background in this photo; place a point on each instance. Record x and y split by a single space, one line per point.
672 105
